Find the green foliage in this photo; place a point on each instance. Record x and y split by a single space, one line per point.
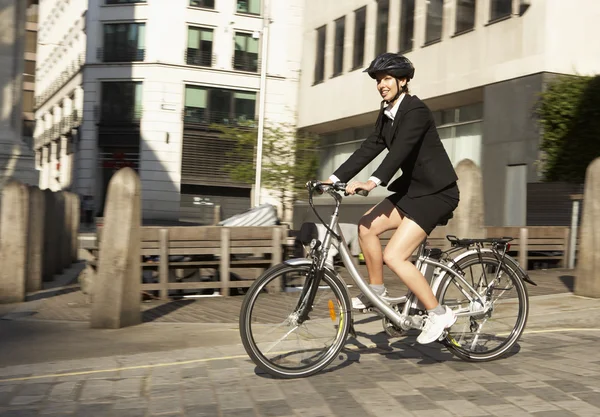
569 114
290 158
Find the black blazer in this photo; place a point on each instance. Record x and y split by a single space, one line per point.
414 146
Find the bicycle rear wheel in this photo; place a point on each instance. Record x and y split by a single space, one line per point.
269 327
482 334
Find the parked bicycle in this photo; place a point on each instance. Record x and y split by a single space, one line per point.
296 317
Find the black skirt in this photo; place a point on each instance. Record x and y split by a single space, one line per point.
430 210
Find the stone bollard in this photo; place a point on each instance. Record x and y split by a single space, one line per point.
13 242
587 281
66 233
50 257
75 219
468 216
116 290
59 219
35 239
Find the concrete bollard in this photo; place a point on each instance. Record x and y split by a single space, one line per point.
35 241
587 281
75 219
116 290
13 242
50 257
468 216
58 238
67 235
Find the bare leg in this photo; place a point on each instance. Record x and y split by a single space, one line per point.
397 254
381 218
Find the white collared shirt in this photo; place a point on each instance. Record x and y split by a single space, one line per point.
391 113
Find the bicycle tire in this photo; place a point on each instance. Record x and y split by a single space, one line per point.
245 322
517 330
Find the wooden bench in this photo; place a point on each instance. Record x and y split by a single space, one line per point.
212 247
553 240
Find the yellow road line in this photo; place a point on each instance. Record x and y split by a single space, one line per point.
221 358
126 368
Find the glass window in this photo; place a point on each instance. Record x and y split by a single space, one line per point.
465 15
360 25
124 42
338 55
248 6
215 105
383 11
470 112
121 101
30 41
245 57
320 61
407 25
435 13
500 9
200 45
207 4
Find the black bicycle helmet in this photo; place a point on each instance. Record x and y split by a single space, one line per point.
396 65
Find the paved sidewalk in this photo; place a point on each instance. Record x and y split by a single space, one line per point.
554 372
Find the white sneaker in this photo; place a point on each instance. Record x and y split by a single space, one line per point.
435 324
361 302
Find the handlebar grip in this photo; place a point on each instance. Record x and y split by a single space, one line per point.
364 193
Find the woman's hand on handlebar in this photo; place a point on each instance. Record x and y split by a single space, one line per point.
353 187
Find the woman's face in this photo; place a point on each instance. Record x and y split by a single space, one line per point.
387 86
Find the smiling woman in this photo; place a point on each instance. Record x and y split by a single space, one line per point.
424 196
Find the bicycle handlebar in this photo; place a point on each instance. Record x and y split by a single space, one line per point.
338 186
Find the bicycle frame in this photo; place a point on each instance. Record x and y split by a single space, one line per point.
411 300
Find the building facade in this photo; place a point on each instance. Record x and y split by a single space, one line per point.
157 75
18 20
58 91
480 65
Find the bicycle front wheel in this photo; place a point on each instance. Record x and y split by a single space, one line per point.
485 333
269 327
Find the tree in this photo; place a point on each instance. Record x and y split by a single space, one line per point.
569 114
290 158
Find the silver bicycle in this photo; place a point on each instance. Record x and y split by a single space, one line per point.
296 317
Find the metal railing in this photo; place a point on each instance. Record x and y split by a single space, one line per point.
199 58
199 116
244 61
123 54
116 115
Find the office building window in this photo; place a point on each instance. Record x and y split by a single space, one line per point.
465 15
338 54
500 9
207 4
320 61
245 57
121 101
360 25
124 42
30 41
407 25
248 6
214 105
200 44
435 13
383 11
460 130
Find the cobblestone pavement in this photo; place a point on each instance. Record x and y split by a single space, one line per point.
555 371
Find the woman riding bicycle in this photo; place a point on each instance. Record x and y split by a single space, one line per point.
424 196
